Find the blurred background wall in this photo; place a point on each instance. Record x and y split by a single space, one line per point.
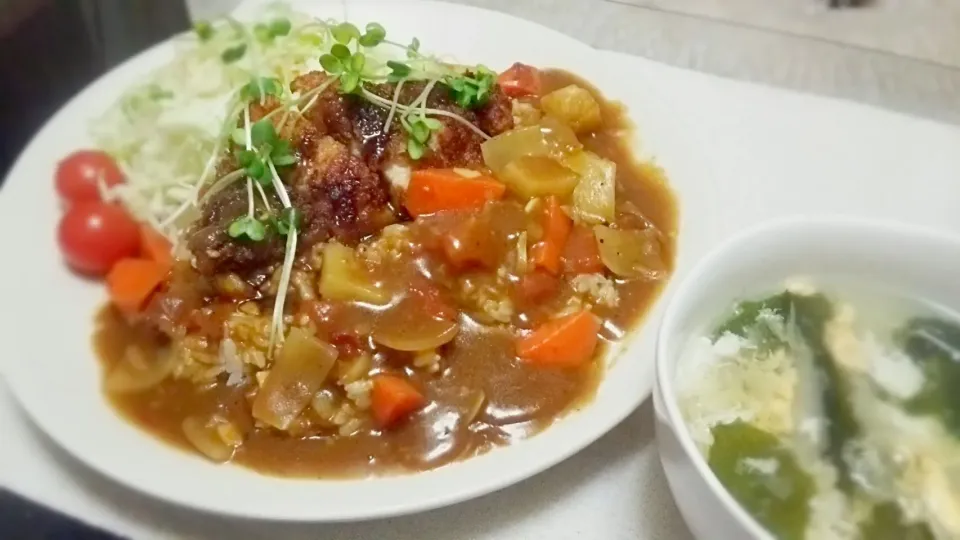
49 49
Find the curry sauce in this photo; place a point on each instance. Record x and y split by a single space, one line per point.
478 394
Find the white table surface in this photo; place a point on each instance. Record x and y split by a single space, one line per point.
614 489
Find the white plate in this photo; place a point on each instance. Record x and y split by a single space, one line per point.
684 120
47 320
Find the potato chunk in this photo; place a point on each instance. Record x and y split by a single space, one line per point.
342 277
537 176
575 107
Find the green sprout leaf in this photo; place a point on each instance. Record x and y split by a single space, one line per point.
263 132
313 40
204 30
252 164
367 41
246 157
256 169
262 33
345 33
265 180
279 27
398 70
349 81
415 149
357 62
283 160
331 64
413 50
239 136
290 219
375 34
280 147
268 33
267 148
420 132
465 98
281 155
341 52
268 85
247 228
471 90
233 54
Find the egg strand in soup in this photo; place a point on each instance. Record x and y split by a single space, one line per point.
827 421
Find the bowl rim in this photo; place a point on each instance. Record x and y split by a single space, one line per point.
665 401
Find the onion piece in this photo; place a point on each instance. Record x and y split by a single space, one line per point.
136 372
631 253
299 371
473 406
548 139
325 405
354 369
404 327
595 198
523 261
205 437
233 286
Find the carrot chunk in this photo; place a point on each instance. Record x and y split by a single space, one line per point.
565 342
581 255
520 80
556 230
435 190
536 287
155 246
131 281
393 398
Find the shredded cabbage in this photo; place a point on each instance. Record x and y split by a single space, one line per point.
168 132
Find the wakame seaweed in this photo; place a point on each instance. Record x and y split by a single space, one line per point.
779 498
746 321
808 315
886 522
934 345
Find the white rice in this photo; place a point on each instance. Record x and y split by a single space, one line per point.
231 362
600 289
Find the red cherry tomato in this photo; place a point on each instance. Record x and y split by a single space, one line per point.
520 80
95 235
78 174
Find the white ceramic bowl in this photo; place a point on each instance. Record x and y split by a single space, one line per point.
914 260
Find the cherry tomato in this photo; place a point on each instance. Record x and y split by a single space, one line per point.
78 174
520 80
95 235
